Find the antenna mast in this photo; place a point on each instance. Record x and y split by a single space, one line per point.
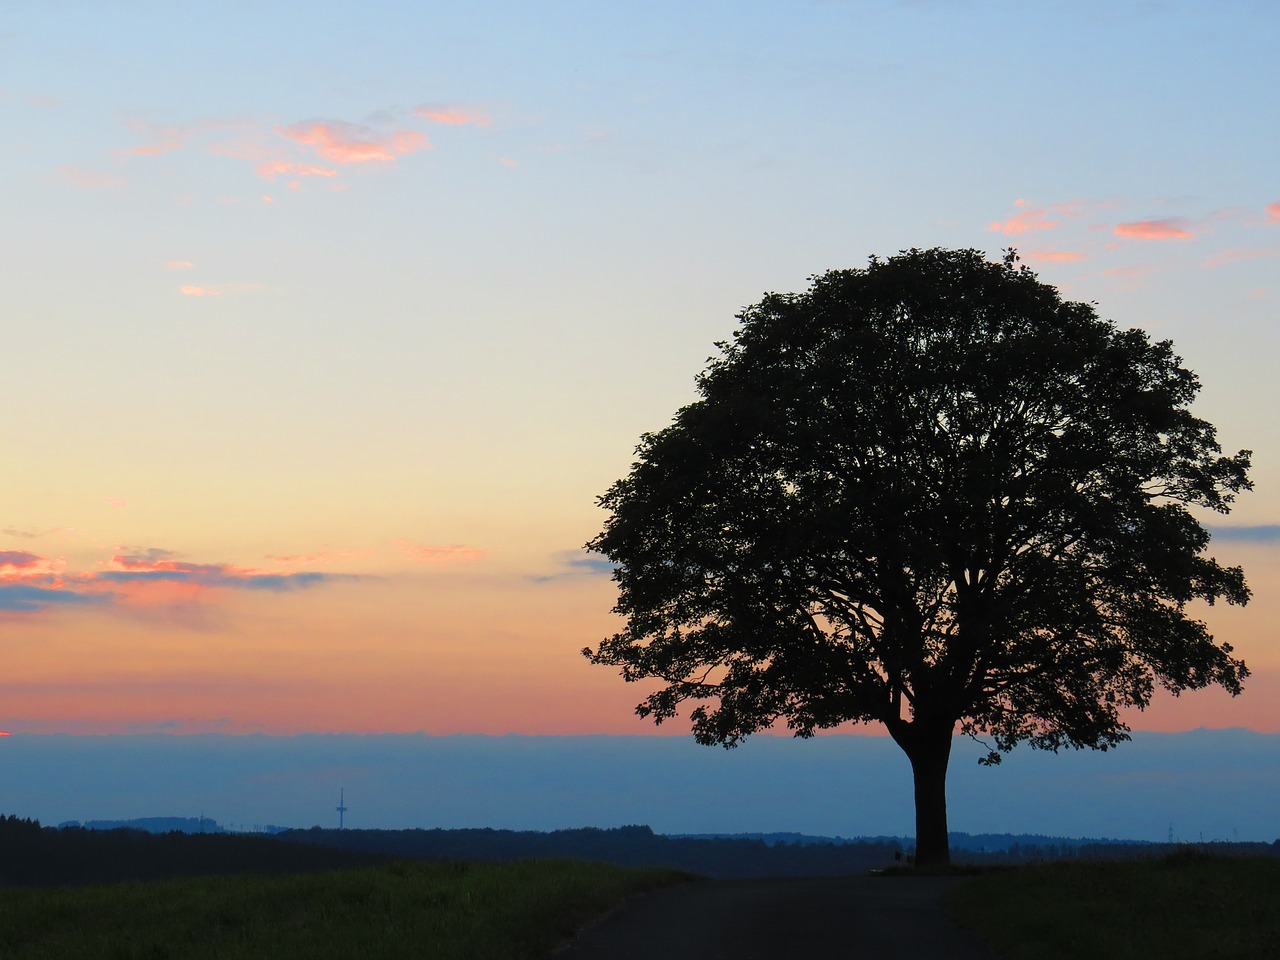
342 807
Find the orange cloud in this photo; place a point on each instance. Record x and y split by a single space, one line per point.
179 265
324 556
453 553
191 290
1172 228
451 116
276 168
1273 212
1023 222
351 143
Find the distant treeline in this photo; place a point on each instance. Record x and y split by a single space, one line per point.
726 856
632 846
32 855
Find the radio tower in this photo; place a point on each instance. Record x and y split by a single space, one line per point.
342 806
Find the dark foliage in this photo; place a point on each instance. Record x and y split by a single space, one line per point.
635 846
32 855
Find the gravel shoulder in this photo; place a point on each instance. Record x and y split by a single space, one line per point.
818 918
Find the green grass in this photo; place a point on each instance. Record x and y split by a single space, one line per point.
450 911
1185 905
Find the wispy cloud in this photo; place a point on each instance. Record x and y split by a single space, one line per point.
92 179
1035 217
23 565
351 143
1240 254
453 553
28 598
283 168
162 138
138 578
1133 273
1170 228
451 116
34 534
217 290
1273 212
178 265
322 556
576 563
30 583
153 566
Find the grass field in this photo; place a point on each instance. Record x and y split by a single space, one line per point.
449 911
1185 905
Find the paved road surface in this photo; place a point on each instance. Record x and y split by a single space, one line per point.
811 918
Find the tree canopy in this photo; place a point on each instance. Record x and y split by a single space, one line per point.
928 493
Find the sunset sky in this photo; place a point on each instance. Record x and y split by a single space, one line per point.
325 323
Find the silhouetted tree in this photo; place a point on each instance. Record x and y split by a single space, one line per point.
931 494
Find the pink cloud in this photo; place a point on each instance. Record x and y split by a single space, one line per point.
1045 255
453 553
137 580
156 566
21 565
1172 228
276 168
450 116
1023 222
117 502
1273 212
164 137
179 265
351 143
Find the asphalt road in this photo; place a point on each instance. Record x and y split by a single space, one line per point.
814 918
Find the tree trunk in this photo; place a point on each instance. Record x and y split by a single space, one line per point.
928 747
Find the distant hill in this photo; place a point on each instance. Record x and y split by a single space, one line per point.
168 825
153 825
